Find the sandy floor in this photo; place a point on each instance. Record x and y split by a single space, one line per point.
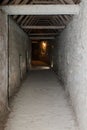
41 104
38 63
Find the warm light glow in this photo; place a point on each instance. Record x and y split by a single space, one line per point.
44 45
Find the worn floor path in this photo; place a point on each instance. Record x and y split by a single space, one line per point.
41 104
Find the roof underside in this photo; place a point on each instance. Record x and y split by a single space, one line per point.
41 25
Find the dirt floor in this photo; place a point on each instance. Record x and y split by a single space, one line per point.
41 104
36 63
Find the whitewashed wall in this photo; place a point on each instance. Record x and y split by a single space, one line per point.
70 63
19 45
3 63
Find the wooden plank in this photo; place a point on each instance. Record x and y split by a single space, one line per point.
43 27
44 2
43 34
40 9
4 2
69 1
44 38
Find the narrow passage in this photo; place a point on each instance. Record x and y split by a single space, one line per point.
41 104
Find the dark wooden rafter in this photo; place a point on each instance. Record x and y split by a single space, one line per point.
24 20
32 20
5 2
68 1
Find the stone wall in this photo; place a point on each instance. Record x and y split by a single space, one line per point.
19 50
3 63
70 63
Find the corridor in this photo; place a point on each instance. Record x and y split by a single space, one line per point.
41 104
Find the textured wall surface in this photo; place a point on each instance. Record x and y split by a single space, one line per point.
3 63
70 62
19 49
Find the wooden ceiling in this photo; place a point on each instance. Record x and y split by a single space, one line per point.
44 25
10 2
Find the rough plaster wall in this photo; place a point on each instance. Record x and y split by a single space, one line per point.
3 63
19 44
70 62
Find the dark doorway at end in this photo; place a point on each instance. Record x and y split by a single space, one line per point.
41 54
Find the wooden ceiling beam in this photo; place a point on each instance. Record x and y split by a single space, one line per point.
4 1
44 38
17 2
28 20
24 20
43 27
40 9
43 34
70 1
44 2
